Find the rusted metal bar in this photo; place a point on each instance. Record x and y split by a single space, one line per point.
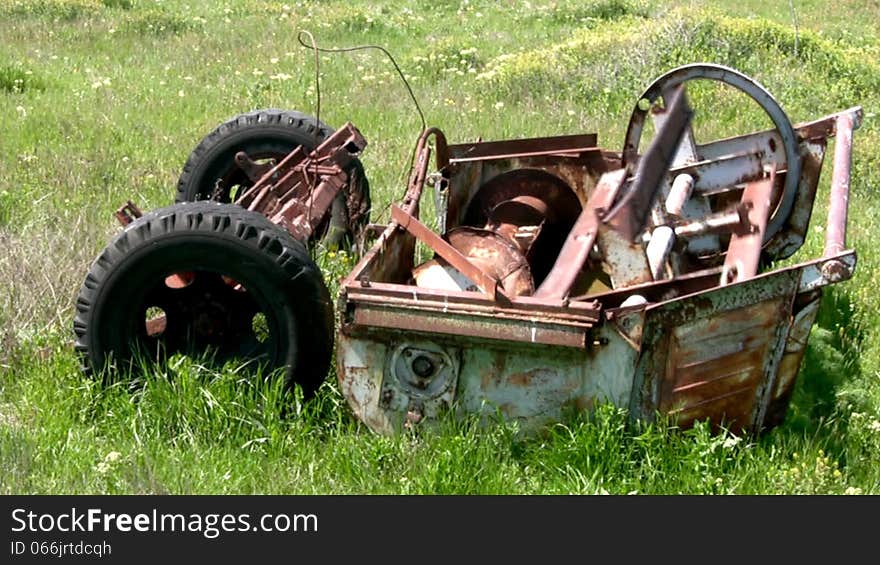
827 126
423 233
734 221
422 157
629 215
520 307
516 148
835 231
723 173
472 326
580 239
744 252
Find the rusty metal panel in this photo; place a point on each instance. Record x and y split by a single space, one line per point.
712 355
360 382
532 385
715 365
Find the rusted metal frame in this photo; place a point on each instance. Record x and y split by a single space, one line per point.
260 189
448 299
813 276
744 251
346 139
454 257
760 142
368 319
630 213
767 143
300 214
655 291
838 205
323 172
441 302
576 249
358 276
738 156
826 127
531 147
786 243
307 215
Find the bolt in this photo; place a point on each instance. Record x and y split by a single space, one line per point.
423 366
835 271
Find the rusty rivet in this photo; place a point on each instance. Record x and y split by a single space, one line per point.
834 271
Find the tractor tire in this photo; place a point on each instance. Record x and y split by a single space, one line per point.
209 280
272 134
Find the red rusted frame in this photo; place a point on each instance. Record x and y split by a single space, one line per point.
300 199
744 252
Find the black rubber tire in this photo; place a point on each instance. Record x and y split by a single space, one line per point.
275 269
273 132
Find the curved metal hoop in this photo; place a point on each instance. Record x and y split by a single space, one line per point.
757 93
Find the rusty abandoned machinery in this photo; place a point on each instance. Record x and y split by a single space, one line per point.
563 274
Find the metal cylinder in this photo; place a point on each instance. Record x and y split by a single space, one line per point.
835 231
662 239
679 194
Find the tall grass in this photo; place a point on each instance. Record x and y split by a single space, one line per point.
102 101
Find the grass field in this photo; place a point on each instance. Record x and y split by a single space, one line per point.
102 101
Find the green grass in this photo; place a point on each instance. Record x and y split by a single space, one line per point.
102 102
